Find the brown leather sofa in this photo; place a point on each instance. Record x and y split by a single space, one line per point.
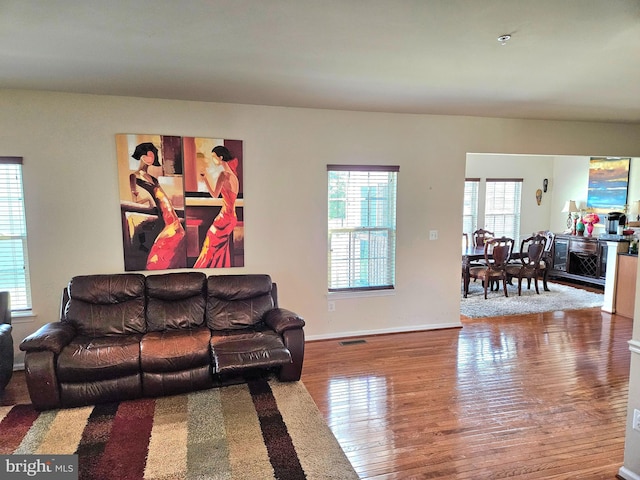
125 336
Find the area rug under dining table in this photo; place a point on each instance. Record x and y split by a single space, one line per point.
258 430
560 297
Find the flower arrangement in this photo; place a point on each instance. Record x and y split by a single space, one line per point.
591 218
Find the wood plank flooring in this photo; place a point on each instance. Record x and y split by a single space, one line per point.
532 396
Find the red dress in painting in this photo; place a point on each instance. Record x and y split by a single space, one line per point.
216 249
169 249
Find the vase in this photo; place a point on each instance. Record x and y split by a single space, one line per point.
589 229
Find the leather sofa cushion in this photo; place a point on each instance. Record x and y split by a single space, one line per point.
235 350
175 350
237 301
175 301
106 304
87 359
171 383
100 391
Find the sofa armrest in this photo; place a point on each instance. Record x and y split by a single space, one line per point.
52 337
5 308
281 319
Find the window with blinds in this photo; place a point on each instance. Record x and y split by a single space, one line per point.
14 266
502 207
470 207
362 227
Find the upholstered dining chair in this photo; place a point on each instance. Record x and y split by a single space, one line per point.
547 256
528 266
497 252
480 236
465 246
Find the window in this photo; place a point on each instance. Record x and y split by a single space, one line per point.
14 266
362 227
470 208
502 207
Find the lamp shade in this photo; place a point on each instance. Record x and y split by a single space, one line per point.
570 206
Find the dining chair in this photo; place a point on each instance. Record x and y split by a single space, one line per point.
547 256
531 251
480 236
465 245
497 252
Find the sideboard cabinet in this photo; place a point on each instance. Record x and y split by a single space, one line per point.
579 258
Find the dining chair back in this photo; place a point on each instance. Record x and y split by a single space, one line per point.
480 237
531 251
547 256
497 252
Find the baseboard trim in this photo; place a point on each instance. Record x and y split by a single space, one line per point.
634 346
627 474
382 331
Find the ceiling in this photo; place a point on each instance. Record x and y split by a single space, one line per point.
567 59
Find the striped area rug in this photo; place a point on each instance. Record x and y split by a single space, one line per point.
259 430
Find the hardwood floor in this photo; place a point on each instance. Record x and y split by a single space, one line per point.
532 396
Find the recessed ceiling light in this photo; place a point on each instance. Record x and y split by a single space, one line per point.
503 39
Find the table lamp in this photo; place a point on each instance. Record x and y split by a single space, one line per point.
570 207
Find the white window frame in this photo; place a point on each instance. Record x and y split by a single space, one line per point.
14 257
361 227
470 206
503 201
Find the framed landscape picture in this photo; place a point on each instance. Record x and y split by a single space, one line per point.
608 184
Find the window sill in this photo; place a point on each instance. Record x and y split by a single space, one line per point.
23 317
387 292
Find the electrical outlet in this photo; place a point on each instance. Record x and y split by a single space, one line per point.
636 420
433 234
331 306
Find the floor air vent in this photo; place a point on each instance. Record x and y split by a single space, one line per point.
352 342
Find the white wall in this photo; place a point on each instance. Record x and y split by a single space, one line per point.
533 170
73 222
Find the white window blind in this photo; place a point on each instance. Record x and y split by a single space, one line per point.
362 227
470 207
502 207
14 266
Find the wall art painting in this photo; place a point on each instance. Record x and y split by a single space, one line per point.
608 184
181 201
